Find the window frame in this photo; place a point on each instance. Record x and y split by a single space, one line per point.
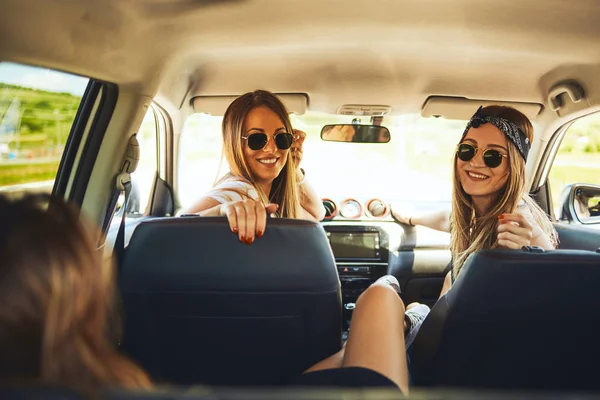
541 178
95 125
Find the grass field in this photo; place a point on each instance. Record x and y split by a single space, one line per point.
26 173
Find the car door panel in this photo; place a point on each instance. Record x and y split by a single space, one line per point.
577 237
421 264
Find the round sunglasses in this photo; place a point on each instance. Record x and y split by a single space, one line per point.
258 141
492 158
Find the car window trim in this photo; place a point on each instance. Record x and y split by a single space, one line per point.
75 138
108 101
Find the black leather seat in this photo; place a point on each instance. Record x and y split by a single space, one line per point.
201 307
515 320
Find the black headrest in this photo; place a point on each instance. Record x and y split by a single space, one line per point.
201 253
513 319
513 280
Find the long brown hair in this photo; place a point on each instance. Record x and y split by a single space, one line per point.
56 298
284 191
471 233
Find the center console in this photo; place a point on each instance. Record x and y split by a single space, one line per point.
361 255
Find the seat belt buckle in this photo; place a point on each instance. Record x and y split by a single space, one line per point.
123 181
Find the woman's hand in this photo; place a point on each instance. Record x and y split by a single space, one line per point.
247 218
402 218
296 149
514 231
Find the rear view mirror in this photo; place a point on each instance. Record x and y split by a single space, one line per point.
582 203
355 133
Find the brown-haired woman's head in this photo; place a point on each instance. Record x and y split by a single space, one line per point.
257 135
56 296
488 177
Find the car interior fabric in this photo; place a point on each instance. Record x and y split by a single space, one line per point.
514 320
201 307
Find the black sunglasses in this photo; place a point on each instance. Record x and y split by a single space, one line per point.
492 158
257 141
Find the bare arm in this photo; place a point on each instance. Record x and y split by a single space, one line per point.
439 220
247 218
541 239
447 284
206 206
310 202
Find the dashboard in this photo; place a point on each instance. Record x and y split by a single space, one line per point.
368 243
353 209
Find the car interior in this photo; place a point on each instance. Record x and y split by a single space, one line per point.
117 106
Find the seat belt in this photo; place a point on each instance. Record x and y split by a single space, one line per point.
123 185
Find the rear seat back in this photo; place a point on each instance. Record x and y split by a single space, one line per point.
515 320
201 307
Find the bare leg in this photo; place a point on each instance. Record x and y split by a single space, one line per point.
337 360
379 314
333 361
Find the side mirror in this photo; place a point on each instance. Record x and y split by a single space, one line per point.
581 203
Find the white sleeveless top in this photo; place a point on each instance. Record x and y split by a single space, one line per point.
233 188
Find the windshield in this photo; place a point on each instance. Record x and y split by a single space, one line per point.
415 166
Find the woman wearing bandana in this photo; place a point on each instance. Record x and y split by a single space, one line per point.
490 206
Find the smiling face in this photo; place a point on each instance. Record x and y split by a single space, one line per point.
265 164
476 178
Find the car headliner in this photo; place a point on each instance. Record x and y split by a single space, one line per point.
339 52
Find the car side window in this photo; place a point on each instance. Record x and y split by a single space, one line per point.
577 160
142 179
37 109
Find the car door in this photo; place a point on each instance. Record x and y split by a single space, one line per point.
571 189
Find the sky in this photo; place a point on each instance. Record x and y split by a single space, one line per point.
42 78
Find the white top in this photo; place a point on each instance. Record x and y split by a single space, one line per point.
233 188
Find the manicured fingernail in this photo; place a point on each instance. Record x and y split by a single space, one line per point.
501 216
242 238
234 230
259 234
249 241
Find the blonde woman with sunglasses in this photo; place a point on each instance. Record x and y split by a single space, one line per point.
264 154
490 206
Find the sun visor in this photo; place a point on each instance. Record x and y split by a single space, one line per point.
296 103
463 108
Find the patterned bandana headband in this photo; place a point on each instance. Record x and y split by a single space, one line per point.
510 129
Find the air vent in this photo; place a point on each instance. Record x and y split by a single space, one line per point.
376 208
330 208
364 110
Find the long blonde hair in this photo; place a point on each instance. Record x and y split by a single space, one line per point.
284 191
57 297
471 233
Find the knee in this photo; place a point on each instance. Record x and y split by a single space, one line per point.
379 295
